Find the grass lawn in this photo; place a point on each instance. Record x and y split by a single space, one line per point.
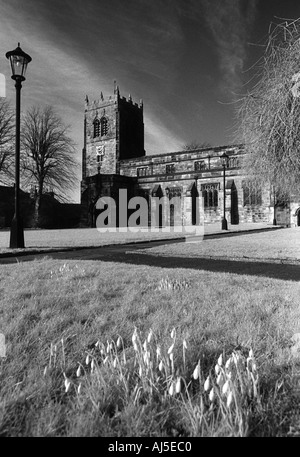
280 244
49 239
63 376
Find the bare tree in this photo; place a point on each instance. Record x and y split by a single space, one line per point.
195 145
48 155
6 142
269 115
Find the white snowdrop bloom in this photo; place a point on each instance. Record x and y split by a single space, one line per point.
220 360
173 332
251 354
115 363
78 371
229 399
67 384
171 356
118 342
150 336
196 372
79 389
217 369
178 385
87 360
160 366
184 344
93 365
171 389
211 395
228 363
225 387
206 384
158 351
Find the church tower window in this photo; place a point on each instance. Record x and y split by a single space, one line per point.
104 126
96 128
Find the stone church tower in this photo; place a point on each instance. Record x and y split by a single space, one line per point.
113 131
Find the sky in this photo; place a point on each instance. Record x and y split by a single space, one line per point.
188 60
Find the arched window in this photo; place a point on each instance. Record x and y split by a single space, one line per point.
252 193
96 128
104 126
210 194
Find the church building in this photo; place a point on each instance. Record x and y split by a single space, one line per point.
114 158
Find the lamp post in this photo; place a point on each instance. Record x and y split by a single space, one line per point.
274 202
18 61
224 161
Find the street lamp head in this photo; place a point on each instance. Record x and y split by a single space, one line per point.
18 61
224 159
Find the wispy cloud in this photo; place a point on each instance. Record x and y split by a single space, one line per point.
230 22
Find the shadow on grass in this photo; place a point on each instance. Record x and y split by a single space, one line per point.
125 254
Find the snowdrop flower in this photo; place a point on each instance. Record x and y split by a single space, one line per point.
229 399
92 365
173 333
67 384
115 363
217 369
206 384
220 360
158 351
225 387
227 364
184 344
79 389
160 366
150 336
178 386
196 372
171 356
251 355
211 395
119 342
171 389
87 360
78 371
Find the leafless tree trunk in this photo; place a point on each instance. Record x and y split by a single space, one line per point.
48 156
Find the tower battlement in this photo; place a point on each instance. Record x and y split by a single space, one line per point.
113 131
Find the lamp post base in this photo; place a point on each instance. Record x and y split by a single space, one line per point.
16 233
274 222
224 224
